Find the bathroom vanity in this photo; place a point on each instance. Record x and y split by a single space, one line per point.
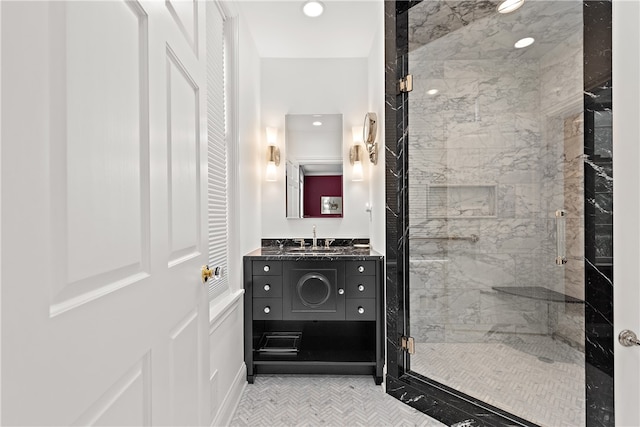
313 311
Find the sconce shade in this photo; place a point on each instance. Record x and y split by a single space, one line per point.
272 135
356 133
271 172
357 171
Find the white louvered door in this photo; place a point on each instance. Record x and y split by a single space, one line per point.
104 222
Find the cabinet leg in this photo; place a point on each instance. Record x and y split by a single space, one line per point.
250 379
378 380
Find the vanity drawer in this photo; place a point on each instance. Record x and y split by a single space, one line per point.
361 287
360 268
267 308
361 309
267 268
267 286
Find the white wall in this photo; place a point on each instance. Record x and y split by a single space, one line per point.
376 68
226 352
313 86
250 144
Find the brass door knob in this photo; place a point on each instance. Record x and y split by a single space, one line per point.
206 273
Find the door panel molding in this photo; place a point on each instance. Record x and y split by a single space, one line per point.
101 213
184 367
185 15
183 162
130 395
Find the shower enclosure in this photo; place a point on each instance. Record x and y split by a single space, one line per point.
496 204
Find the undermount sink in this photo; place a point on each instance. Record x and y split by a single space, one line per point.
311 252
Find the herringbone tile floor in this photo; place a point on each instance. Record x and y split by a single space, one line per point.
322 401
538 379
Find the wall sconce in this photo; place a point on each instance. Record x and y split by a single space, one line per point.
273 155
370 130
355 153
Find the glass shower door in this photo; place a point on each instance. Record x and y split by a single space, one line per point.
496 205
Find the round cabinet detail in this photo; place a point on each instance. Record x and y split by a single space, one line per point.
267 309
361 288
361 268
361 310
267 287
313 289
266 268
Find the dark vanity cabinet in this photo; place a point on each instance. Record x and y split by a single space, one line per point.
313 315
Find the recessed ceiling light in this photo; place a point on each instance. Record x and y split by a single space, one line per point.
527 41
317 123
313 8
508 6
432 91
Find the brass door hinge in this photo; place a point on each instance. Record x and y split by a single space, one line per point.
406 83
408 345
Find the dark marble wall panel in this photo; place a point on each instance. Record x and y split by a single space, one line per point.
598 169
393 288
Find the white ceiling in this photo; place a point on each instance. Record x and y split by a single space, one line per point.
345 30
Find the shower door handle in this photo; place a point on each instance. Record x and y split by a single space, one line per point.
561 258
628 338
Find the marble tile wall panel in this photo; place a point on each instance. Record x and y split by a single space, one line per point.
490 132
499 308
560 83
484 126
571 327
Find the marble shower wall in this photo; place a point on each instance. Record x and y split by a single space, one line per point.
493 139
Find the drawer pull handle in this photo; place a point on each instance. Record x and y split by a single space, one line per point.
361 288
267 287
361 310
361 269
340 291
266 268
267 309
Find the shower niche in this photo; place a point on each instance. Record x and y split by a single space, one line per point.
461 201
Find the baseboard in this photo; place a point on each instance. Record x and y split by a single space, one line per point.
232 399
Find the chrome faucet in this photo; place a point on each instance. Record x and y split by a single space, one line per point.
315 240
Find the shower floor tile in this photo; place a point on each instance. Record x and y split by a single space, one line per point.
322 401
540 380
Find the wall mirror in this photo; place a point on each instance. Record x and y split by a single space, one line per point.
314 165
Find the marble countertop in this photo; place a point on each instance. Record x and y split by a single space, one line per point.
293 253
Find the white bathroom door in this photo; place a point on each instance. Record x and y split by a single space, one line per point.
104 316
626 212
